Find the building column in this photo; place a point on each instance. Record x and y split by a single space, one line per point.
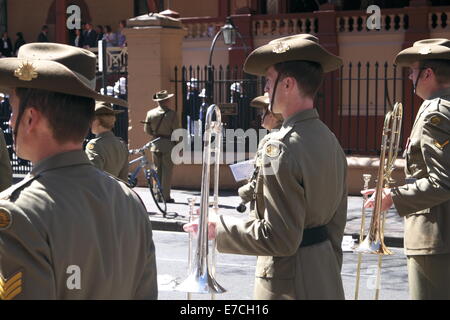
224 9
418 30
61 32
328 38
154 50
237 53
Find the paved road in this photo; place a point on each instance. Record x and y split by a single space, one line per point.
236 272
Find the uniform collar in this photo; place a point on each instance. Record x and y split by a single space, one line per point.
301 116
443 93
60 160
105 134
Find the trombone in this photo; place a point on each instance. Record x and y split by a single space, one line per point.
374 241
201 278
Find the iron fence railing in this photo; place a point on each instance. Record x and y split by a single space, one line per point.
352 101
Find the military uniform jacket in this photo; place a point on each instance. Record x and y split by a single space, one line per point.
161 122
71 231
425 203
109 153
5 164
301 185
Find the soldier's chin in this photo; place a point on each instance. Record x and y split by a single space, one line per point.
18 152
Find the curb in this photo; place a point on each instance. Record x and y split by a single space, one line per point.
167 225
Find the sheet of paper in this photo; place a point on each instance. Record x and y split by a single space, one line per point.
243 170
348 243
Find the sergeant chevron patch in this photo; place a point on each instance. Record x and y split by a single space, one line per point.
10 288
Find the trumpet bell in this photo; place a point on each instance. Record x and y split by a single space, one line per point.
200 283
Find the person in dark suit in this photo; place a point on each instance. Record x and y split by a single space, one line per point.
20 41
100 32
6 47
90 37
79 39
43 36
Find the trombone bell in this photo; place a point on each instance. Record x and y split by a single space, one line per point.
198 282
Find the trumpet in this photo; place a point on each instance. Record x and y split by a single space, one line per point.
201 278
374 241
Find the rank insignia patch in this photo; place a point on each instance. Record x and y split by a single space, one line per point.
9 289
26 72
272 150
5 219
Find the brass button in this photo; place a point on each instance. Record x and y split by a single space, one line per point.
435 120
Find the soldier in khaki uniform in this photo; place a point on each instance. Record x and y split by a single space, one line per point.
160 123
107 152
301 191
68 230
5 164
269 121
425 200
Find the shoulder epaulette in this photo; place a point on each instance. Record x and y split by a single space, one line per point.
8 193
281 134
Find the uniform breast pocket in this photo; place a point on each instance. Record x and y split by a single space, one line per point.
275 267
423 230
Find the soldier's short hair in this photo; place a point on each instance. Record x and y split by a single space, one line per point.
107 121
309 75
441 69
69 116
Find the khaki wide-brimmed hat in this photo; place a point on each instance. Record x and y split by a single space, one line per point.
103 108
299 47
53 67
162 95
260 102
424 50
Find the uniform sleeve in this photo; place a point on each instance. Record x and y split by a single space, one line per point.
123 174
434 189
280 232
5 164
94 153
336 227
147 127
25 259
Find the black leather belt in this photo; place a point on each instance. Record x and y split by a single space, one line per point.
314 236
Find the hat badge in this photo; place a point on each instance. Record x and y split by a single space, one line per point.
425 50
280 47
26 72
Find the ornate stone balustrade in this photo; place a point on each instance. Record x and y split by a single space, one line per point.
283 25
392 20
116 58
438 18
